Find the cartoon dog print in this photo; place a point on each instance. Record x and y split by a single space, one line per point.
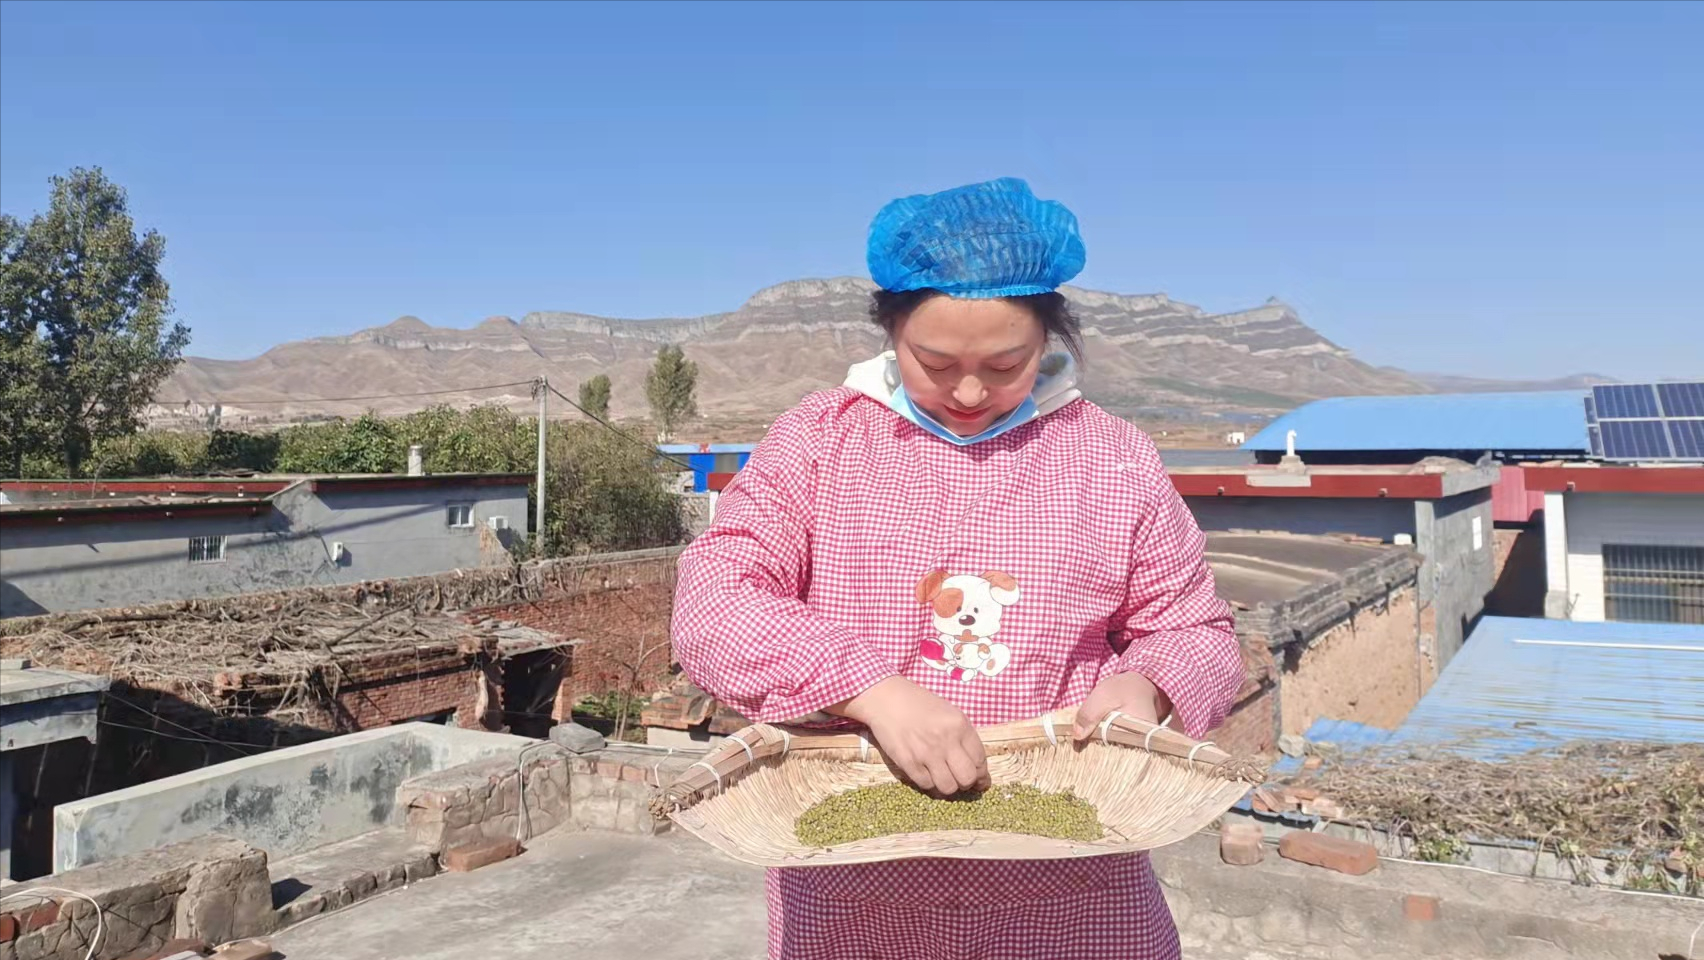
967 613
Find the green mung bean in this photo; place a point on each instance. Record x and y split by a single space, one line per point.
893 808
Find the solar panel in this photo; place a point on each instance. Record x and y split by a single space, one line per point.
1647 421
1681 399
1625 401
1635 440
1688 438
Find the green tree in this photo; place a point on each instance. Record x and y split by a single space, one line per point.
671 387
594 396
23 359
86 321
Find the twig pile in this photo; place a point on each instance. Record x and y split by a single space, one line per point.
1625 801
186 651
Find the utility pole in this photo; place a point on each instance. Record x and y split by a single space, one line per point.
542 388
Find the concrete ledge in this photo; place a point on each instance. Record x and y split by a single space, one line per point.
284 802
1402 911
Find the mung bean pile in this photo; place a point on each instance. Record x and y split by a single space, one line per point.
893 808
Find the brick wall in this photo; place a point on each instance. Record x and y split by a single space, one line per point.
1367 670
619 633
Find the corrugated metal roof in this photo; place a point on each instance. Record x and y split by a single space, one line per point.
1520 684
1551 421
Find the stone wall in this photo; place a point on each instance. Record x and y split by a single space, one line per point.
481 801
212 888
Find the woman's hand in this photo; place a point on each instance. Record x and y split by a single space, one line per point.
928 739
1129 693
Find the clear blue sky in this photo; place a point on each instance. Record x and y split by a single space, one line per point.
1486 189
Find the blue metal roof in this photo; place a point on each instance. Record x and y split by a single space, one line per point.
1520 684
673 448
1553 421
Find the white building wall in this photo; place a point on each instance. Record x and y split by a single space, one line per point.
1594 519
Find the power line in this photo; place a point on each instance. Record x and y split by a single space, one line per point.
379 396
616 430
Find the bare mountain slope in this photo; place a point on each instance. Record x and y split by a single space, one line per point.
1147 355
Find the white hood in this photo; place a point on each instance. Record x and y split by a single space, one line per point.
1055 384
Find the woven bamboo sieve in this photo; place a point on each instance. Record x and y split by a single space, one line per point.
1150 785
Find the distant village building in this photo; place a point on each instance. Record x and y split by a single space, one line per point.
75 545
1623 543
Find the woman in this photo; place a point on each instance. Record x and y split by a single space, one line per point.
954 539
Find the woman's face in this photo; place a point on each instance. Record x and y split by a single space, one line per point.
967 363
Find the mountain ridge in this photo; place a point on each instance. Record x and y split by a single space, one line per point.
1148 355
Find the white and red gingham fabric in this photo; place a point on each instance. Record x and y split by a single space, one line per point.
803 593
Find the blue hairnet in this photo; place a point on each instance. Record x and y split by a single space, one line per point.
984 240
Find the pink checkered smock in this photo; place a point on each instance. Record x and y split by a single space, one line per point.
1074 558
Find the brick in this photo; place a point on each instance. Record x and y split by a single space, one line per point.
472 856
1241 844
1324 807
1423 909
1313 763
172 948
1266 801
1302 794
1333 853
8 928
246 950
609 769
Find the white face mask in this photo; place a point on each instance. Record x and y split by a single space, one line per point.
1055 387
901 404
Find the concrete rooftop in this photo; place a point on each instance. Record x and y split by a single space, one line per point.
584 895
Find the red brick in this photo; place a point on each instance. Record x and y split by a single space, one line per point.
635 773
246 950
42 916
1333 853
609 769
1312 763
472 856
1302 794
1241 844
1416 907
8 928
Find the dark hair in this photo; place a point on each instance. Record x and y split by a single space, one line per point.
1052 310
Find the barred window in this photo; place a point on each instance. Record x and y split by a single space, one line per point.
1653 584
207 549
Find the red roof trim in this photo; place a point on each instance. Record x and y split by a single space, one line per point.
1615 479
382 482
59 515
1336 486
233 487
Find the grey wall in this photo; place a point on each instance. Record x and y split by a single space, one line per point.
1382 519
285 801
1459 571
392 533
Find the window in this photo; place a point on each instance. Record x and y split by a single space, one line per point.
207 549
459 516
1653 584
